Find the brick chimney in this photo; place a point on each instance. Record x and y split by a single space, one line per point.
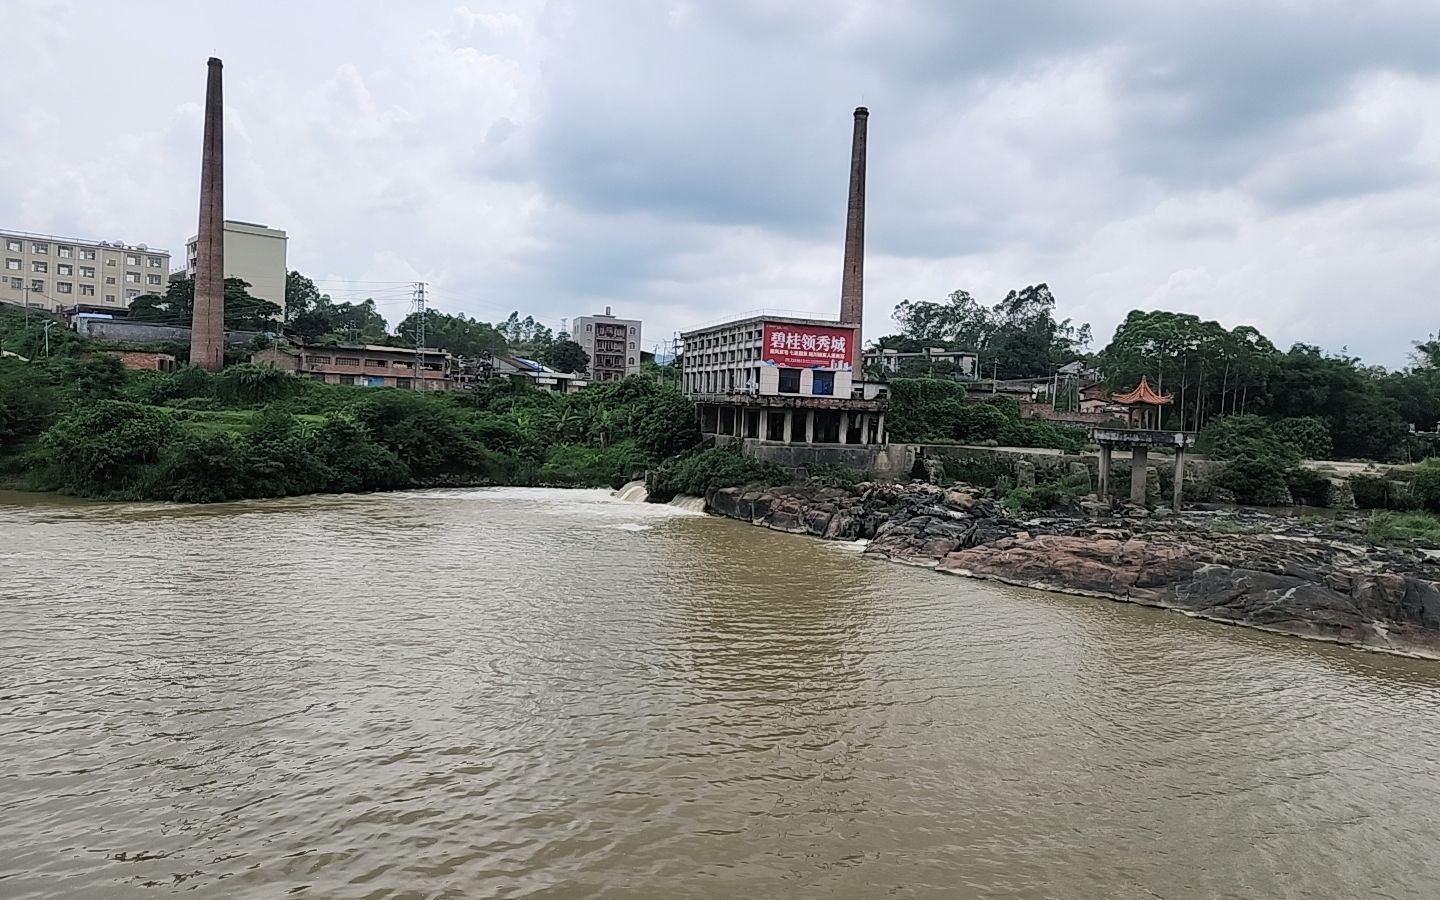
852 285
207 327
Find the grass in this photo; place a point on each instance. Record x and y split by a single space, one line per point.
1227 526
1392 528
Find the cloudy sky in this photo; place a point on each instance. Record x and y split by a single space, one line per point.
1275 162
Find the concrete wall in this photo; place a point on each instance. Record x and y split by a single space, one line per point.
144 332
893 461
254 253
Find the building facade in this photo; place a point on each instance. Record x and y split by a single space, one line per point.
253 253
891 361
780 379
612 344
54 273
365 365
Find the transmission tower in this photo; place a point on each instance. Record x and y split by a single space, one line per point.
417 309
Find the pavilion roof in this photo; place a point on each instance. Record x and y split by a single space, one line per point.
1143 393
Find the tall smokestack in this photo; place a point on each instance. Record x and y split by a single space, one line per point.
207 327
852 286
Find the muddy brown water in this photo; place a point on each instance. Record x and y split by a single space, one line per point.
528 693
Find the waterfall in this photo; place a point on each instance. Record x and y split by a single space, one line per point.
634 492
689 504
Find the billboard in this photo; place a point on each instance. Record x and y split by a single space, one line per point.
807 346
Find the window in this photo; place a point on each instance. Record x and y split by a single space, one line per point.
347 379
39 248
824 384
63 269
132 277
37 284
87 271
319 360
87 253
64 287
87 290
588 327
632 345
347 361
13 265
404 382
152 279
64 251
39 266
632 360
154 262
132 260
789 381
632 329
12 245
109 279
131 295
110 263
109 298
17 283
376 363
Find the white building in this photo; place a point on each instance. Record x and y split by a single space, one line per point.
612 344
49 272
253 253
777 378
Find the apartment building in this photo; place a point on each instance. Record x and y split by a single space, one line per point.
612 344
253 253
56 273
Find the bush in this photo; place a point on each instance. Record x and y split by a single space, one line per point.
1425 486
1372 492
1040 433
979 472
251 385
101 450
1308 436
711 470
27 403
925 409
352 461
1261 480
1307 487
1404 528
569 465
204 468
1261 465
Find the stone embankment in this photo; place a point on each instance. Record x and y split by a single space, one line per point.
1273 574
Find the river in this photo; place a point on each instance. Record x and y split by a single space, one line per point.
530 693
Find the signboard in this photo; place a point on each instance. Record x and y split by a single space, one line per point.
807 346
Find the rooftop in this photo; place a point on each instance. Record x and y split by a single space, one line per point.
1143 393
788 317
61 239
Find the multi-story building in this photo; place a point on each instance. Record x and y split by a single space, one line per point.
778 378
963 361
55 273
253 253
364 365
612 344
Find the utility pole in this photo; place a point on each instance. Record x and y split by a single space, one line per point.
48 323
417 308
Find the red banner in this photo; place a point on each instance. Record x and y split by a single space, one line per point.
807 346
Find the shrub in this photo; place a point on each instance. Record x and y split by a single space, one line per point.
101 450
1261 480
710 470
203 468
27 403
1308 436
568 465
1308 487
251 385
925 409
979 472
1373 492
1403 528
353 462
1425 486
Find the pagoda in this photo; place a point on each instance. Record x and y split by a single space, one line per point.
1144 404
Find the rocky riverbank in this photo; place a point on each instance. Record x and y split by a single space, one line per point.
1262 572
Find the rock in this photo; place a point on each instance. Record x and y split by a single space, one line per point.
1081 471
1024 474
1265 572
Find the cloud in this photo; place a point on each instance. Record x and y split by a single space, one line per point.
1263 161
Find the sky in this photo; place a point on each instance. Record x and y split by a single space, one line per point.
1265 162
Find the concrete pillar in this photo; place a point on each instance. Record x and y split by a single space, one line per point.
809 415
789 424
1179 494
1102 489
1139 458
880 430
865 428
844 428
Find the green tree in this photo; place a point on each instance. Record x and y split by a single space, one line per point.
566 356
103 449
